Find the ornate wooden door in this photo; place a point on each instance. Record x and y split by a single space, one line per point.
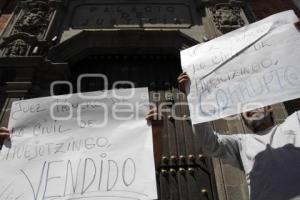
183 173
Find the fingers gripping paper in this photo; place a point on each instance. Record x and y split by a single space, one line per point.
251 67
78 148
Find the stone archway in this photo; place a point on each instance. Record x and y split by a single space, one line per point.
77 44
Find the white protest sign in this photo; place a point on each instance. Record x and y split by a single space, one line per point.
248 68
78 148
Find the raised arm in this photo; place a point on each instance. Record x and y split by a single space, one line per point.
217 145
213 144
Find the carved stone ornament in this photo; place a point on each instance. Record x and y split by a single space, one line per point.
35 19
18 44
227 17
17 48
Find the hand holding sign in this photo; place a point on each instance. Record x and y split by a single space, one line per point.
4 134
297 24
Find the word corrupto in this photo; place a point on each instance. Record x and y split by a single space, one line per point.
249 90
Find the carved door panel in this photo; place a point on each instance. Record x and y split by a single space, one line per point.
183 173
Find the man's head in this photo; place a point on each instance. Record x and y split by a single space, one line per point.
259 119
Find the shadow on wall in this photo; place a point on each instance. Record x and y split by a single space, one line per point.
276 174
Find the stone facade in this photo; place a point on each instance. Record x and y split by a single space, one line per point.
265 8
6 9
47 40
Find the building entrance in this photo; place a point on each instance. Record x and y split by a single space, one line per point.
183 173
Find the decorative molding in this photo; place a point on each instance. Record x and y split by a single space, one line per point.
87 41
34 18
34 21
17 48
28 28
17 45
102 15
21 44
227 17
